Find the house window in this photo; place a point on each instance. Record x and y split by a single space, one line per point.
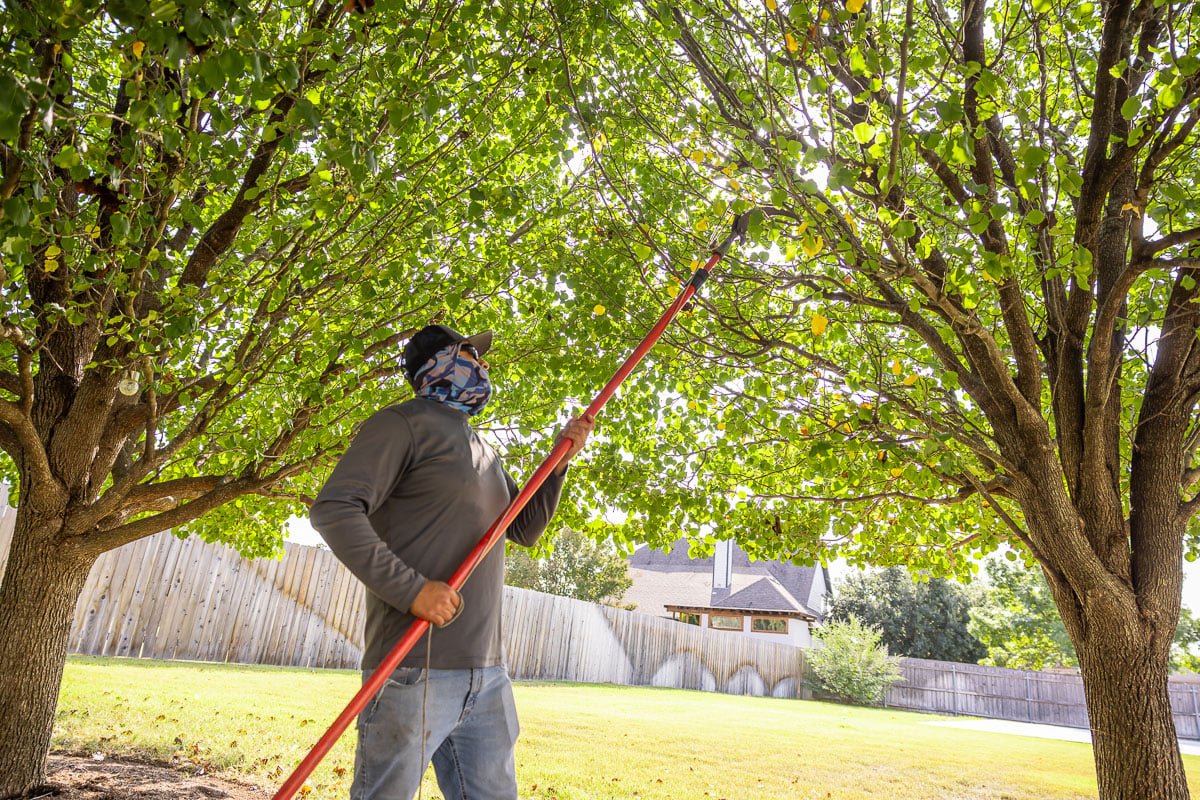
725 622
689 619
769 624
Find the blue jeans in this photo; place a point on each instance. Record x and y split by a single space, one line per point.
470 730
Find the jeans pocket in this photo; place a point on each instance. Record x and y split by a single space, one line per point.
405 676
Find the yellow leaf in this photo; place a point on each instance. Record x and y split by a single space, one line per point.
137 48
803 226
50 265
847 427
791 43
811 245
824 14
897 472
804 430
734 184
57 48
720 426
53 251
598 311
866 406
855 6
819 324
695 265
771 6
727 172
93 231
910 380
853 223
1133 208
702 224
692 405
896 367
698 156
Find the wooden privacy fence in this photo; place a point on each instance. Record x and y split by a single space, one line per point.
163 597
1053 698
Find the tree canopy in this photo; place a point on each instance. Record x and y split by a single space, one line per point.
219 222
969 311
965 315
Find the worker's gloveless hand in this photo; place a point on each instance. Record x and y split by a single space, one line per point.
436 603
577 430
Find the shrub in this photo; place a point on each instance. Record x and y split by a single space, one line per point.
852 663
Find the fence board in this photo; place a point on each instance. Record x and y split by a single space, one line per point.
166 593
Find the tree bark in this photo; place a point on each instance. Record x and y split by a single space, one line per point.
1133 732
37 603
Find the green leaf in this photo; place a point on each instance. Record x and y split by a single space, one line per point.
67 157
1034 157
1170 95
864 132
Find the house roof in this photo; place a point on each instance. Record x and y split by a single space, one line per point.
765 594
671 578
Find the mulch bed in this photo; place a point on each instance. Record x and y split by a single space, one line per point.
74 777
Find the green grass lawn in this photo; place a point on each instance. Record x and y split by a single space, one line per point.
578 742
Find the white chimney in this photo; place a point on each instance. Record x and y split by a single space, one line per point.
723 565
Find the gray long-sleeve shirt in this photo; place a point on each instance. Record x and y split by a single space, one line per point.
414 492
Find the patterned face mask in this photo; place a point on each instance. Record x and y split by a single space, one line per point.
455 380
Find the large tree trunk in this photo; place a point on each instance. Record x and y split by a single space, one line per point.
1133 731
37 603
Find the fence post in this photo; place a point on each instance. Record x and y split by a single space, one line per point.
954 687
1028 700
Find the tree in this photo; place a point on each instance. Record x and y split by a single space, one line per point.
853 661
926 619
220 221
1016 619
967 311
574 565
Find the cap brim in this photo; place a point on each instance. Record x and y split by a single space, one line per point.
481 341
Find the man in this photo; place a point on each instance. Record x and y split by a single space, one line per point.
412 495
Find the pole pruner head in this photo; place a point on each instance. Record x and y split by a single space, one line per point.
740 224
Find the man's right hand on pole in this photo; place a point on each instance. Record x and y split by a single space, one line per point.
436 603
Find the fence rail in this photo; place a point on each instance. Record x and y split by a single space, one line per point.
164 597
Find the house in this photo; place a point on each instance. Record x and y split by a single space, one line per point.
766 599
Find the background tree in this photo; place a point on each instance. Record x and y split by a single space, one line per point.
921 619
1017 621
969 311
570 565
1015 617
220 220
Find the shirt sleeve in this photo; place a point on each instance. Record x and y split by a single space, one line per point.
531 520
362 480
